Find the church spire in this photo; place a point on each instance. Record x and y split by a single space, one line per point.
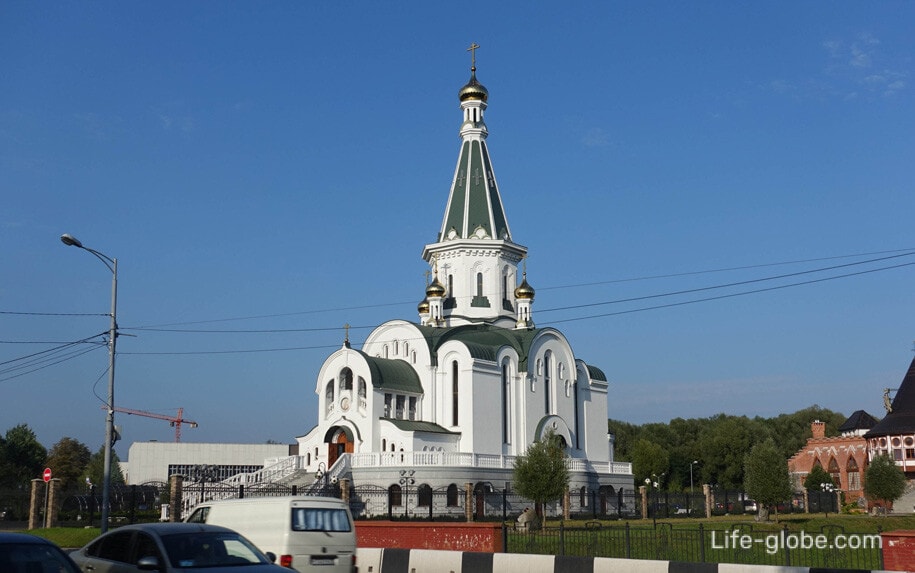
476 257
474 207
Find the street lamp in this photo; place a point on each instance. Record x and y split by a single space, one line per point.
691 464
112 265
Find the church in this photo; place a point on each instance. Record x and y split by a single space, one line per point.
454 396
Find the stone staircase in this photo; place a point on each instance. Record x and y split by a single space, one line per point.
905 505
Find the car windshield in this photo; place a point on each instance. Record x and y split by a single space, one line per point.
210 549
27 557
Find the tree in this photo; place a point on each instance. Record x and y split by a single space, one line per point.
884 481
68 459
95 469
649 459
22 457
541 473
766 478
816 478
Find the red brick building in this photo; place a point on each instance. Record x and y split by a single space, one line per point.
844 457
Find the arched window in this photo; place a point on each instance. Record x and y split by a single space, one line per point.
583 496
329 396
854 476
479 284
548 382
396 347
424 495
834 471
506 404
452 495
395 495
361 387
346 379
385 350
454 393
384 444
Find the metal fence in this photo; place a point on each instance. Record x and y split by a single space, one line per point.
828 547
421 502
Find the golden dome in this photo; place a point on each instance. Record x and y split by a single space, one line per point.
524 290
423 306
436 289
473 89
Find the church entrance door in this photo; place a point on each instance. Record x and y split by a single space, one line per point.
338 446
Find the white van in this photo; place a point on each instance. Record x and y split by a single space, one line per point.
305 533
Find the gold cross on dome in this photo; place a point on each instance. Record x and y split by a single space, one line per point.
473 54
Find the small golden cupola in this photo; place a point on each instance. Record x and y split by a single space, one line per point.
435 289
524 290
524 296
423 307
474 89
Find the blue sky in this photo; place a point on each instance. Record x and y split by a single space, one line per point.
279 166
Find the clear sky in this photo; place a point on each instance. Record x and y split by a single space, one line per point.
266 172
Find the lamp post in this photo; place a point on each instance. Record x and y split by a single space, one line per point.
112 265
691 464
828 488
321 474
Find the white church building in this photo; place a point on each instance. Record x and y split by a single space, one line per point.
454 397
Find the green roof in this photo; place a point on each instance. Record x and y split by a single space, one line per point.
596 373
393 374
475 201
483 341
417 426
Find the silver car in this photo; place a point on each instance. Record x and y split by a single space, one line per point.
173 547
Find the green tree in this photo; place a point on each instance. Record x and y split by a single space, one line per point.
68 460
884 481
541 473
648 460
95 469
22 457
816 478
723 445
766 478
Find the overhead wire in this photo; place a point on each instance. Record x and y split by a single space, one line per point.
160 328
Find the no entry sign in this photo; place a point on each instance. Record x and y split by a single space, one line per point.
47 474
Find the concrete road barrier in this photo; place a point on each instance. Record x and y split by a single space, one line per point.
371 560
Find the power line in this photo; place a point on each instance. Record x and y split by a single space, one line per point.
725 269
730 295
728 285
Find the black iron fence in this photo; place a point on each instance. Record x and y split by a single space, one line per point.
827 547
134 503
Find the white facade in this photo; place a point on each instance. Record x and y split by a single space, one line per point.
156 461
473 383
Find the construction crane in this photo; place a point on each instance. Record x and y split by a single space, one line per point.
175 421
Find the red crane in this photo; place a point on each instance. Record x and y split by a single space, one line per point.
175 421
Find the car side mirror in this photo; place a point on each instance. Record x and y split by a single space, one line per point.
271 556
148 563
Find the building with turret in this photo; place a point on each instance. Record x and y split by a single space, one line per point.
453 397
894 435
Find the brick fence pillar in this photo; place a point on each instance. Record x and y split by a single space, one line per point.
468 501
566 502
176 490
644 493
35 503
344 490
53 509
707 491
